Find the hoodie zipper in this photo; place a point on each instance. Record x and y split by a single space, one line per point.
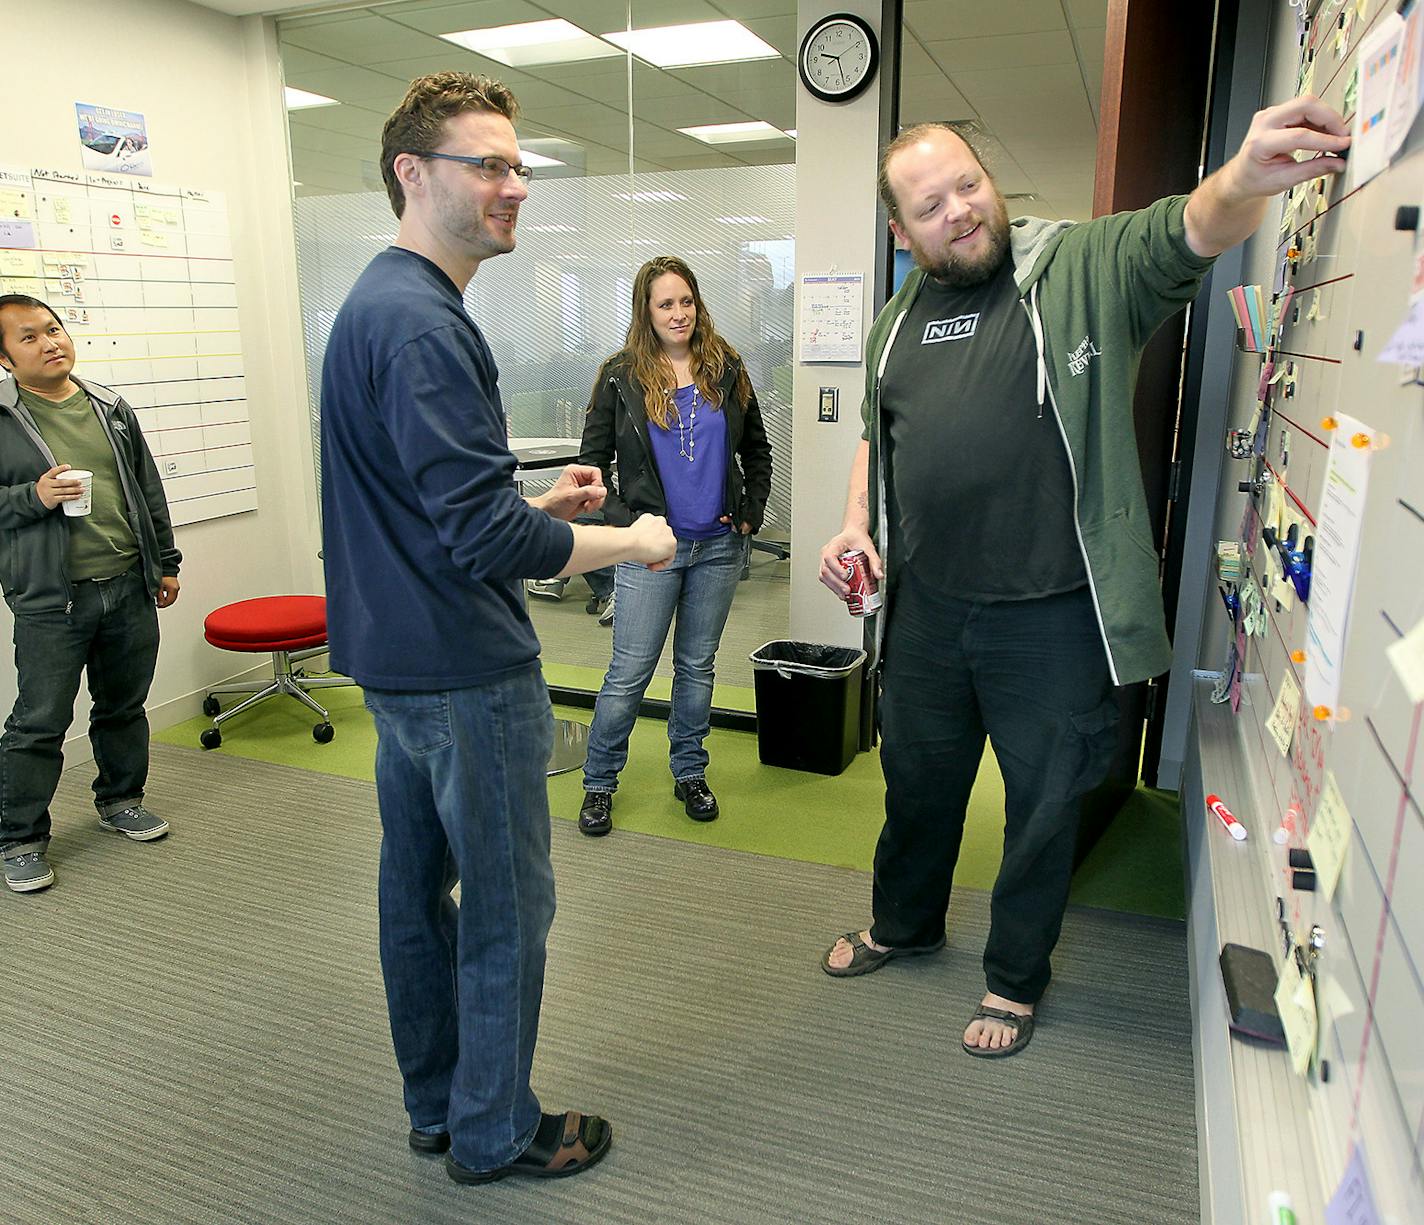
1045 387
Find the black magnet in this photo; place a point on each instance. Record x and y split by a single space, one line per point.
1406 217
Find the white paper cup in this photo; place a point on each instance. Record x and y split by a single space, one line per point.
83 504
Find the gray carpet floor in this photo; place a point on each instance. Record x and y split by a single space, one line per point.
194 1031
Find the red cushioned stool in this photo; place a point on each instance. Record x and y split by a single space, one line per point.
292 628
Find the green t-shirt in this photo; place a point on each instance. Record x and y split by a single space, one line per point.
101 543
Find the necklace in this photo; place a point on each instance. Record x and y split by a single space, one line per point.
687 435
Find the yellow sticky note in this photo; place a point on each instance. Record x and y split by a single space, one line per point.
1276 508
1329 836
153 238
1283 592
1295 1003
1407 658
20 263
1281 725
15 203
1316 312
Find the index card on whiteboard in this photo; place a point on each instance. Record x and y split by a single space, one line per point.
831 327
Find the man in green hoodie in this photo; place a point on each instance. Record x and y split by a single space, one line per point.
998 487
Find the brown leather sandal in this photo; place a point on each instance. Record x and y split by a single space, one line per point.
864 959
565 1144
1021 1024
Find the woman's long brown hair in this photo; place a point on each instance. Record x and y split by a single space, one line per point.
710 354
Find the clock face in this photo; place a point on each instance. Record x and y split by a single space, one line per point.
838 58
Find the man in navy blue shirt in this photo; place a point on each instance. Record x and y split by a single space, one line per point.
427 541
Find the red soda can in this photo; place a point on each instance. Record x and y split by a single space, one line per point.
864 597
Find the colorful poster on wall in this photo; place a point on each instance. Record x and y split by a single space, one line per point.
112 140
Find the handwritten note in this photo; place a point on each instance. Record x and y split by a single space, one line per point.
1354 1201
1406 346
1329 837
1281 725
1407 658
1337 553
1295 1004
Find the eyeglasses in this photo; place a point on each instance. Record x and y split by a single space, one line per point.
492 169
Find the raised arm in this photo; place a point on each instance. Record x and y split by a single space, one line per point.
1229 205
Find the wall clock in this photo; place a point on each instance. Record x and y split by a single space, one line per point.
838 57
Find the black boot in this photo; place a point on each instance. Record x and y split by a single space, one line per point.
697 799
596 815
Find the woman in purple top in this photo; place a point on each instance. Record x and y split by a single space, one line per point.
675 410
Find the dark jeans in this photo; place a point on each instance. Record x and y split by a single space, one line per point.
463 797
1033 675
112 630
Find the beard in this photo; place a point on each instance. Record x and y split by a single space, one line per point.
464 221
957 271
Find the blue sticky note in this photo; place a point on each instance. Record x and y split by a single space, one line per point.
1353 1202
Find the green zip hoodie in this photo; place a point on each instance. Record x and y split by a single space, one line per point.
1095 291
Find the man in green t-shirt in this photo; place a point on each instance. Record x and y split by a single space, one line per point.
84 587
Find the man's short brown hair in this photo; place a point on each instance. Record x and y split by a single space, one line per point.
912 136
417 125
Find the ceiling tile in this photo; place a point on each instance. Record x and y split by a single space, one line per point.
362 39
1040 87
935 20
1086 13
1005 51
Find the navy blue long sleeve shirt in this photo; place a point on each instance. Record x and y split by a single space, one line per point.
426 536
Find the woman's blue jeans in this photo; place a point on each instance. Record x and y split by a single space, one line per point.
698 586
460 776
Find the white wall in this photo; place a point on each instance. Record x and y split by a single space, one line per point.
836 151
209 86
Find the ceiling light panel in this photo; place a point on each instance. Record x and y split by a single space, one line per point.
734 133
686 46
533 42
301 99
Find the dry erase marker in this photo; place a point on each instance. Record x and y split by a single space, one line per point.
1223 814
1279 1206
1287 826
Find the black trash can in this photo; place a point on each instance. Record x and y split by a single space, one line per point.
807 705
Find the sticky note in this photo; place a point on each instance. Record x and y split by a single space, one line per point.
1406 657
1295 1003
1354 1201
1329 836
1281 725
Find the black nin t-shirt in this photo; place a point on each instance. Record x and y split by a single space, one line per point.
980 491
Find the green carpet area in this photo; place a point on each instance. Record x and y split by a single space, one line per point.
1136 866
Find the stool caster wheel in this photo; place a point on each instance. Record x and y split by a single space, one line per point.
323 732
211 708
211 738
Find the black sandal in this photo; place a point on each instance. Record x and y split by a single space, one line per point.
864 959
1021 1024
564 1144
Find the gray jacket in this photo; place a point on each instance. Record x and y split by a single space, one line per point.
34 541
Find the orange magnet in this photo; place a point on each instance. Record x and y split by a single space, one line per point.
1297 657
1329 423
1322 713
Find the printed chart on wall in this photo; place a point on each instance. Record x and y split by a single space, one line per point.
142 276
1324 588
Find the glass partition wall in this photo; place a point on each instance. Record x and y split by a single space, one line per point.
636 153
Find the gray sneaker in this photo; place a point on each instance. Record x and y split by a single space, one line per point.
28 872
606 616
136 823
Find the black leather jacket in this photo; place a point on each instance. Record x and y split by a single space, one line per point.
34 541
616 428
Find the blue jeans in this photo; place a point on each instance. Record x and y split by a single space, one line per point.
698 586
463 797
112 630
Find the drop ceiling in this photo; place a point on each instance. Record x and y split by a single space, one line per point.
1026 73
